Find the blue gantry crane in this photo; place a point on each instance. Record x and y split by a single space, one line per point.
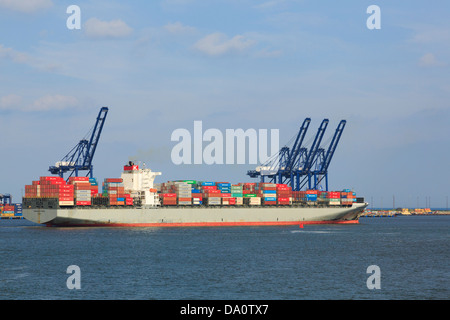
323 158
301 167
5 199
80 157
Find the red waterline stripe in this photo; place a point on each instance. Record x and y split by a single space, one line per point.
214 224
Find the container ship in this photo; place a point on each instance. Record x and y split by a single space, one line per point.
134 200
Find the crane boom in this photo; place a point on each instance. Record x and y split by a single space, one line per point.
297 145
80 157
332 148
315 146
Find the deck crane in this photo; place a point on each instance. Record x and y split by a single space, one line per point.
323 159
80 157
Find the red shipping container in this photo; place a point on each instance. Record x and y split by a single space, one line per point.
51 178
83 203
78 179
169 195
66 194
65 198
117 180
213 191
66 187
226 195
283 199
209 187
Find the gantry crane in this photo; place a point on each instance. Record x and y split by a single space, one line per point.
300 166
80 157
5 199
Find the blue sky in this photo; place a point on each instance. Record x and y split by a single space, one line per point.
161 65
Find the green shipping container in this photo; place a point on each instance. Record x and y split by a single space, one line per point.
250 195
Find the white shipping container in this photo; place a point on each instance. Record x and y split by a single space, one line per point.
66 203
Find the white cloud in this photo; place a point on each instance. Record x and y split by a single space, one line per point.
97 29
10 102
429 60
179 28
15 56
45 103
26 6
431 34
27 59
217 44
53 102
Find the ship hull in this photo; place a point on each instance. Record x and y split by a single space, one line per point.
193 217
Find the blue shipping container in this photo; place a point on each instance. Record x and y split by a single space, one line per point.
207 183
270 199
224 185
269 191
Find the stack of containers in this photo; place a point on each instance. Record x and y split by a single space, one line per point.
268 192
113 189
347 197
322 196
168 199
33 191
82 188
225 193
18 209
56 187
94 187
211 195
284 194
250 195
8 211
184 193
311 196
237 193
334 198
197 198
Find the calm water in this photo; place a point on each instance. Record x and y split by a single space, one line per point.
235 263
